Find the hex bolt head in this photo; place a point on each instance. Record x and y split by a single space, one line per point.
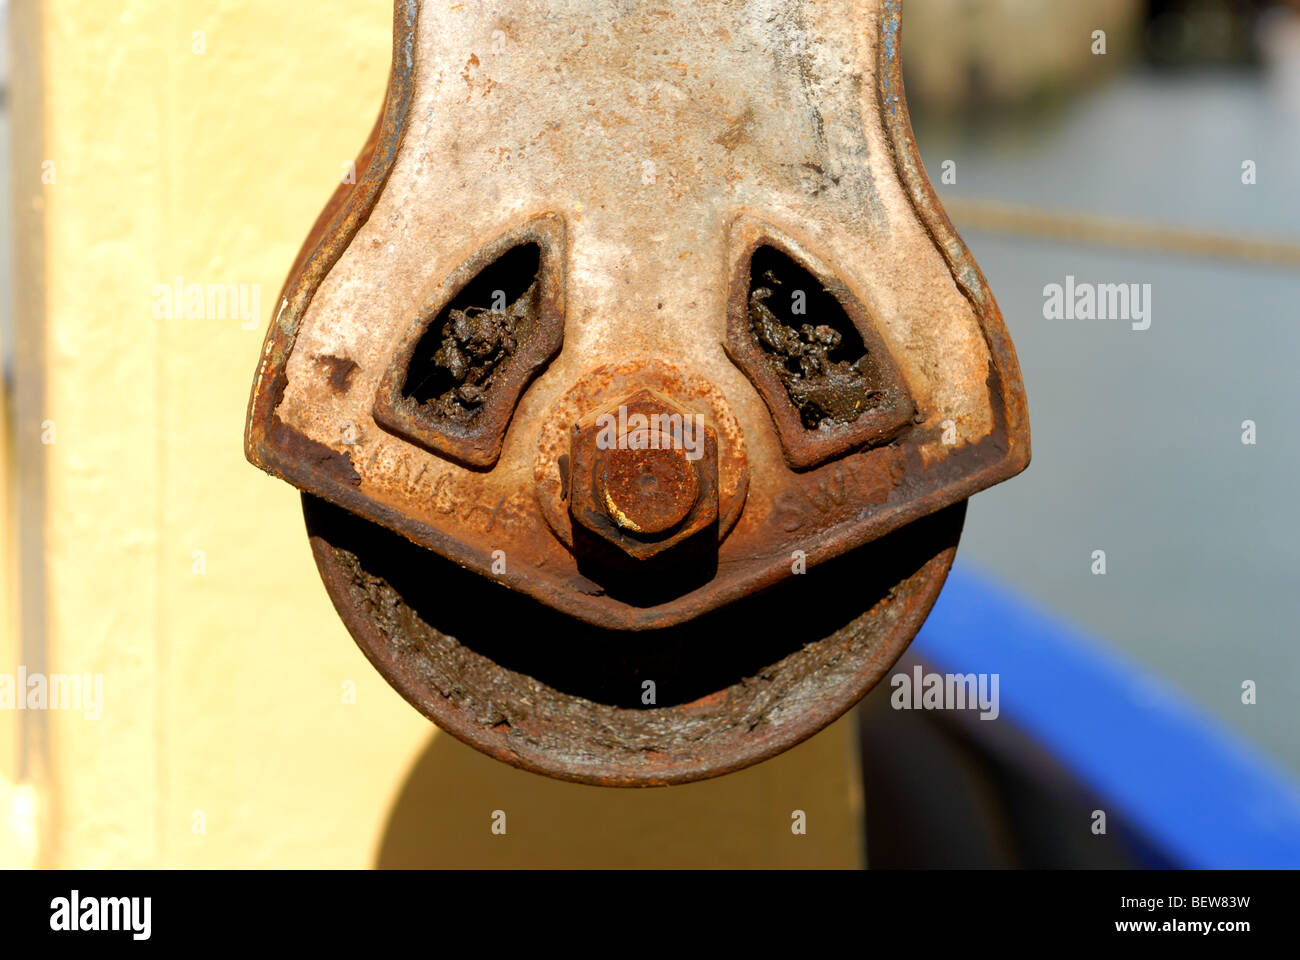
644 475
647 489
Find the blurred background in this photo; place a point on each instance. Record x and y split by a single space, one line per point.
1116 141
1137 434
1167 160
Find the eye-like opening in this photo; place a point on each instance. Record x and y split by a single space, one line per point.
457 375
475 337
813 352
811 343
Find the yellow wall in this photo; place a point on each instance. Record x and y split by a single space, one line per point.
223 689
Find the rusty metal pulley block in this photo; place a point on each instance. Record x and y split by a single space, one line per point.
636 387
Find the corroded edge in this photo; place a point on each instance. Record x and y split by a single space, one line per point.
346 212
1004 375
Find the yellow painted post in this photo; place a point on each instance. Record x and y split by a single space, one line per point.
172 143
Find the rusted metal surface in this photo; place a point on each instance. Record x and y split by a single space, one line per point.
654 154
535 689
644 275
605 389
474 439
638 487
867 421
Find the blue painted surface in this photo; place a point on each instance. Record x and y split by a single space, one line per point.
1194 790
